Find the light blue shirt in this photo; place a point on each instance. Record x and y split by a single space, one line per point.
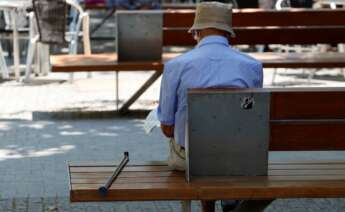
213 63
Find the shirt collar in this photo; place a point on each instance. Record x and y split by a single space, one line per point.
213 39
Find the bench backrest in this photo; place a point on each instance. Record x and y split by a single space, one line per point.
256 26
307 119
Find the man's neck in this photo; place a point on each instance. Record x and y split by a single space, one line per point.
209 32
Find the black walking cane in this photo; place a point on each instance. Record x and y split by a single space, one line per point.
103 190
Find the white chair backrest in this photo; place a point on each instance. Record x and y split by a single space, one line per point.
279 4
80 20
21 18
75 4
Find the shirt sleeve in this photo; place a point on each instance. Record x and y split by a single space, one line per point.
259 79
168 94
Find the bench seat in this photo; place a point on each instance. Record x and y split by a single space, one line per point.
108 61
102 62
156 181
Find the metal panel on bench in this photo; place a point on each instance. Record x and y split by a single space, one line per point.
228 134
139 35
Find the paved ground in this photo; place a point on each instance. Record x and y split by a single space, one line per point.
34 152
34 149
33 157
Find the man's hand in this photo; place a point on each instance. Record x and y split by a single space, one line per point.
168 130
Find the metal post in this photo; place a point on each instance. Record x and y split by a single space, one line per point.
15 44
117 89
109 15
3 65
142 89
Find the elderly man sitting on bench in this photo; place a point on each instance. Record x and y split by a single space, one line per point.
212 63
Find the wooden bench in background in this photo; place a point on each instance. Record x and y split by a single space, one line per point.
252 26
301 119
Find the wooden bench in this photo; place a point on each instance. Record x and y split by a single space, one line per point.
252 26
301 119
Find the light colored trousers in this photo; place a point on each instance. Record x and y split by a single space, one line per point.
177 161
177 156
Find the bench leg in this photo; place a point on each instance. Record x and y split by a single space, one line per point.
253 205
109 15
187 206
275 70
142 89
208 206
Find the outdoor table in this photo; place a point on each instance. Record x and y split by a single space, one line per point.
13 6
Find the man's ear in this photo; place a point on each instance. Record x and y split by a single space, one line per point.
196 36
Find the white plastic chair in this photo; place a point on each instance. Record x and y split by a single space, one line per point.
19 23
80 20
281 4
3 65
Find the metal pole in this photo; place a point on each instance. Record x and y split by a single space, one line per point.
103 190
15 44
117 89
109 15
142 89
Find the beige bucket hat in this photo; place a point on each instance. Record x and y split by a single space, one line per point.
213 15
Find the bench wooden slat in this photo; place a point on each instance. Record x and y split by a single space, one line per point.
146 191
209 190
300 60
269 35
107 163
136 186
309 162
88 175
100 181
329 166
306 172
276 170
273 163
102 62
231 182
265 181
260 17
300 26
309 137
127 180
296 174
315 105
292 189
272 166
127 169
107 62
301 171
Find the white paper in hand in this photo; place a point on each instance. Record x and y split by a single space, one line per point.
151 121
